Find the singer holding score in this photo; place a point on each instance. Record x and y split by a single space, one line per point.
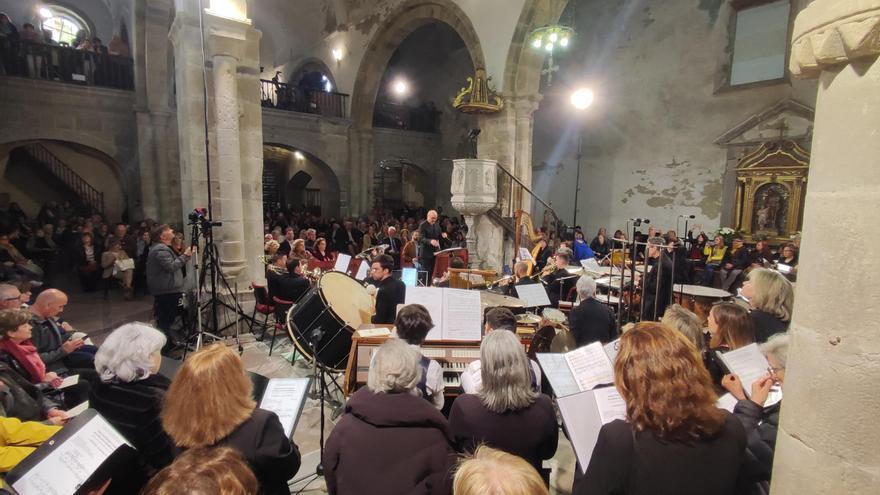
430 234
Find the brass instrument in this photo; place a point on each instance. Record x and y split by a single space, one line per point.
267 260
549 268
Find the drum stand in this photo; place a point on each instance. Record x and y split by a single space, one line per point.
319 375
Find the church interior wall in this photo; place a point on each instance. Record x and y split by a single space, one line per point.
648 141
103 16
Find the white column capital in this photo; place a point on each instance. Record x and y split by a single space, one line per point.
830 33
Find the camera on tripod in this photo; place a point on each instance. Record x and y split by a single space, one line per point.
199 217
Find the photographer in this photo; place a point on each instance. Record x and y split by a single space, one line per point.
165 280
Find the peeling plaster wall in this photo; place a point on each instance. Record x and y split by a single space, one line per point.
647 144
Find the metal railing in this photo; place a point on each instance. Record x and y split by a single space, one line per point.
91 197
511 192
64 64
286 97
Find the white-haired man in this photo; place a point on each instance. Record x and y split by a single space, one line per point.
591 320
10 297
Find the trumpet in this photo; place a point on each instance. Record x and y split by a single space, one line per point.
549 268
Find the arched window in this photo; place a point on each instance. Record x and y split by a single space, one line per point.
63 24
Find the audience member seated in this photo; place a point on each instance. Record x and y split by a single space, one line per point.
788 256
580 248
508 413
496 319
55 340
130 391
320 250
205 471
729 329
298 250
761 423
761 256
271 247
18 439
591 320
771 297
291 286
21 399
210 403
736 260
714 257
413 323
390 440
600 245
113 263
87 259
15 264
10 297
686 322
674 436
493 472
18 352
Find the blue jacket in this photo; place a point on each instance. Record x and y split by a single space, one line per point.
581 251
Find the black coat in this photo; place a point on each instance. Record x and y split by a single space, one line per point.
658 287
766 325
291 287
625 462
133 409
559 285
428 233
761 426
531 433
389 444
21 399
391 293
592 321
272 456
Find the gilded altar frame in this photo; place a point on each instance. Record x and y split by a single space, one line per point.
770 190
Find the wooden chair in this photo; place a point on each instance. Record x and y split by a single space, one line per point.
281 308
263 306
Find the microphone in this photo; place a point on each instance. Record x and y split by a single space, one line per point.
687 216
642 220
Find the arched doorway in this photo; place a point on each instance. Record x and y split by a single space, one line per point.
37 171
297 180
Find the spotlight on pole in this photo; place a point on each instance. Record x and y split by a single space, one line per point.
582 98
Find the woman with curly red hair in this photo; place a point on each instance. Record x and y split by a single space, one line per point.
674 440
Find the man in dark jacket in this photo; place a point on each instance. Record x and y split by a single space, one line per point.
657 280
391 291
429 243
291 286
54 339
165 278
591 321
736 259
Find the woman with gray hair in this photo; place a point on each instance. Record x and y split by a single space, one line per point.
686 322
760 419
130 392
507 414
390 440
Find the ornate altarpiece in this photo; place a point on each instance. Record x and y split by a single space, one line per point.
770 189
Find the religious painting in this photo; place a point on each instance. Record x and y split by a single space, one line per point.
771 209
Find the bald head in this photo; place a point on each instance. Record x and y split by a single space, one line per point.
49 303
9 297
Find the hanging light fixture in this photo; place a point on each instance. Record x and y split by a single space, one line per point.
548 39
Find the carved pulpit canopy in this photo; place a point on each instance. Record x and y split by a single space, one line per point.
770 189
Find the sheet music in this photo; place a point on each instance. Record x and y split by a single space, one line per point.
432 299
533 295
73 461
462 315
342 261
611 350
610 404
69 381
525 255
284 397
726 402
555 368
362 271
580 413
590 366
747 363
591 265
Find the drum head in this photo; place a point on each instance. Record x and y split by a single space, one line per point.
349 299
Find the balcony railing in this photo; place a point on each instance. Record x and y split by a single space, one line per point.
65 64
393 116
286 97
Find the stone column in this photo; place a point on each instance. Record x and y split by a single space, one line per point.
828 436
525 107
474 192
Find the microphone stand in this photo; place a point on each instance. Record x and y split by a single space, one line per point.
633 253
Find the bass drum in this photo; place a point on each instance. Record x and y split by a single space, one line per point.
327 316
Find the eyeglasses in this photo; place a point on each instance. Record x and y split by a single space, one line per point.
16 298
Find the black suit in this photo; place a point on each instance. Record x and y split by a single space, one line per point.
558 289
592 321
628 462
273 457
391 293
291 287
393 250
428 233
657 294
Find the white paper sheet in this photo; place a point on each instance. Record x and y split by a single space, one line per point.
591 265
525 255
71 464
610 404
462 315
362 271
69 381
747 363
580 413
342 261
555 368
284 397
432 299
76 411
611 350
533 295
726 402
590 366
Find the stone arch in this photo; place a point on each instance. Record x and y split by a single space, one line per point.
315 170
313 63
522 71
410 16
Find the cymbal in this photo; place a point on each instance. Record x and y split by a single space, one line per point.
563 342
528 319
488 298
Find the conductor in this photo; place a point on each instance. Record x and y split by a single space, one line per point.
429 243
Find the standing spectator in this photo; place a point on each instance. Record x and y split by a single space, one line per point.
165 279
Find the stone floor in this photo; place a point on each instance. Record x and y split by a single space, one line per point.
96 316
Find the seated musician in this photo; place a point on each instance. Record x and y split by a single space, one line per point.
412 324
600 245
521 277
457 263
390 291
508 413
274 270
591 320
291 286
496 319
555 278
581 249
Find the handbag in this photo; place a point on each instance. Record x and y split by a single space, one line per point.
123 265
